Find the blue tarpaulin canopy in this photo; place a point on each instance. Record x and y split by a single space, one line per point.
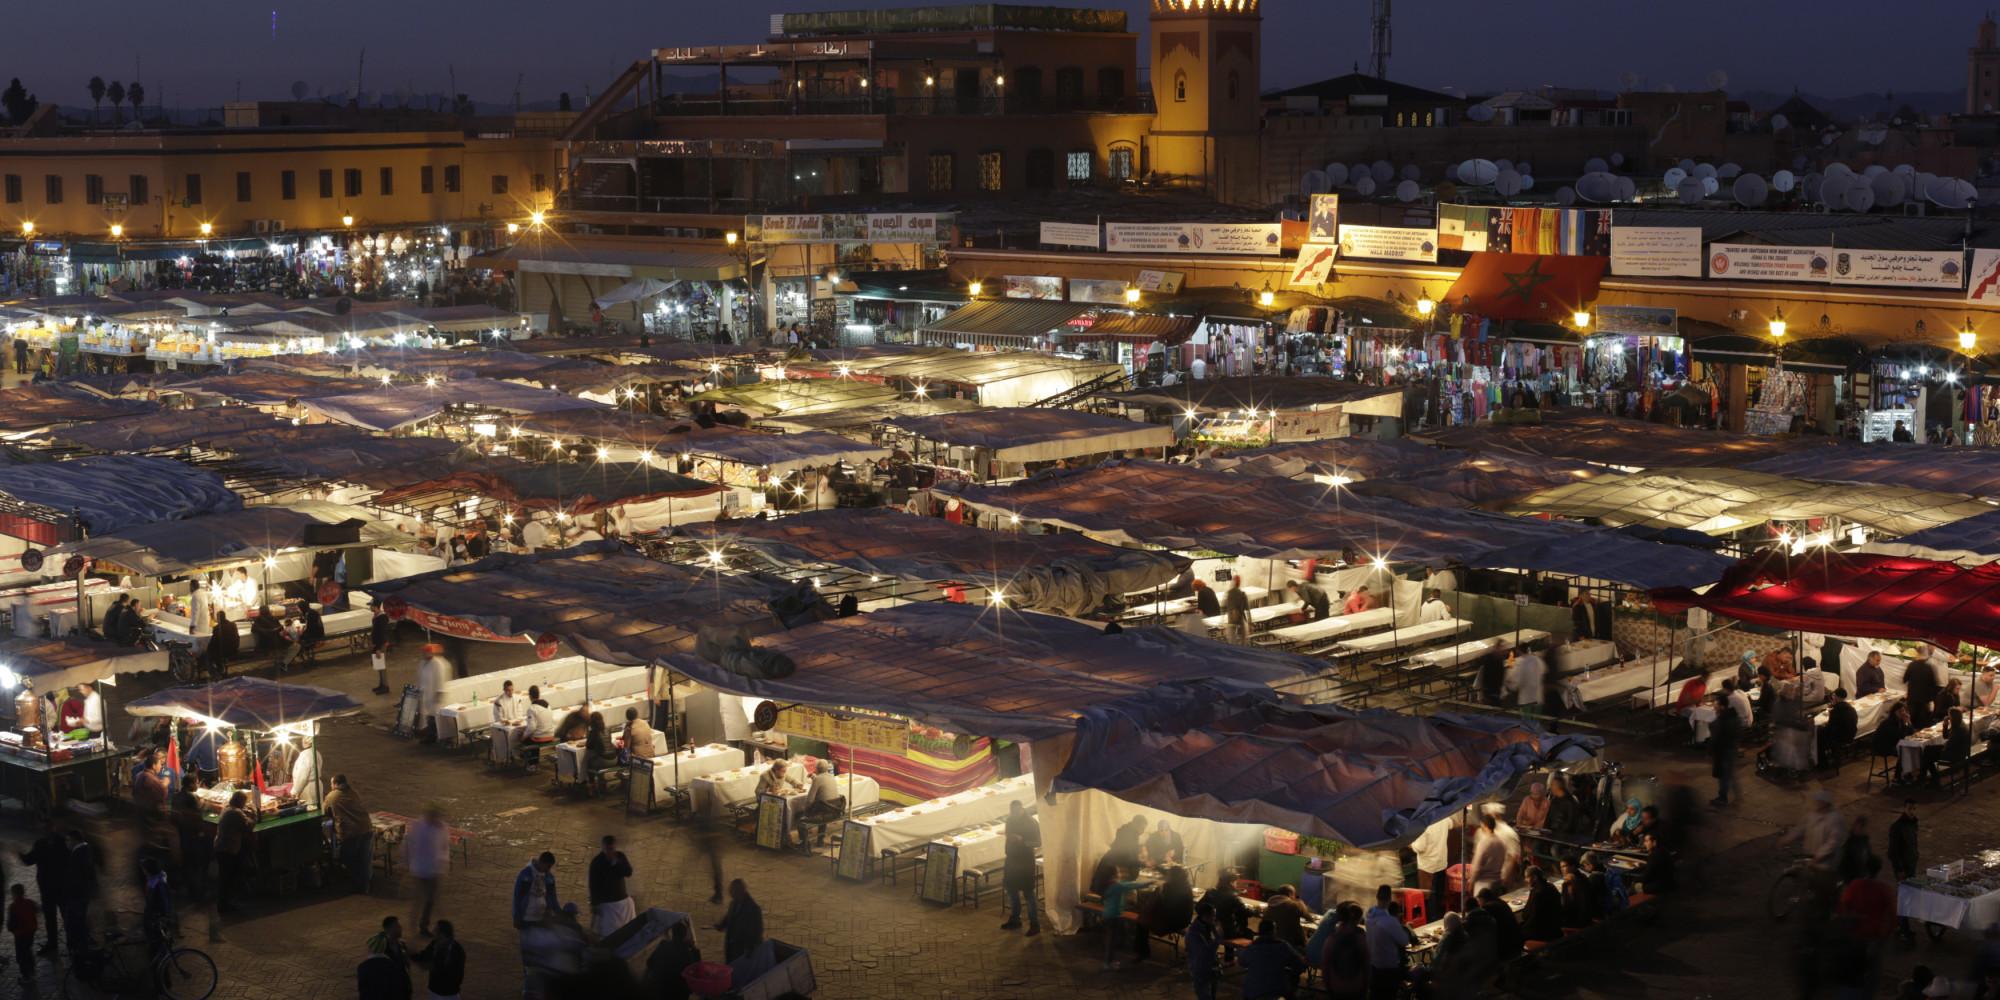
110 492
1975 471
1372 779
404 405
247 703
1972 541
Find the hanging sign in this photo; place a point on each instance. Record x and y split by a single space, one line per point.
1903 268
1656 251
1261 238
1389 243
1070 234
1746 262
1323 223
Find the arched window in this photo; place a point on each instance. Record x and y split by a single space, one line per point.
1180 86
1235 83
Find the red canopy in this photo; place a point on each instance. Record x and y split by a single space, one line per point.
1874 596
1527 286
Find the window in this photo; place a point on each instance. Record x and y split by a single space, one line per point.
1120 167
989 172
499 183
351 179
191 187
1110 85
1069 86
93 189
451 184
326 183
13 189
140 192
427 179
1180 86
941 172
243 185
52 189
540 183
388 178
288 184
1079 166
1235 83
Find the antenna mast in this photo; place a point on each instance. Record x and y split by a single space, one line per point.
1378 50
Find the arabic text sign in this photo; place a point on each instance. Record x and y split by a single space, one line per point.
1656 251
1263 238
1907 268
1389 243
1744 262
1070 234
903 228
1315 263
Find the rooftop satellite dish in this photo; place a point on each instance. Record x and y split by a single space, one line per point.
1527 182
1905 169
1860 198
1874 136
1597 187
1749 190
1838 169
1799 163
1920 186
1628 189
1383 171
1874 170
1365 186
1407 191
1565 196
1484 172
1950 192
1314 182
1890 189
1718 80
1524 167
1709 185
1833 188
1690 192
1479 113
1728 171
1358 171
1779 123
1687 166
1618 159
1673 177
1411 172
1595 165
1703 170
1506 165
1508 184
1783 181
1336 175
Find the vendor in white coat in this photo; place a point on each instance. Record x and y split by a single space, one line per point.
1434 608
93 708
509 708
305 774
1525 680
431 675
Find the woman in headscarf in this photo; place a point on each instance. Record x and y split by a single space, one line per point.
1625 829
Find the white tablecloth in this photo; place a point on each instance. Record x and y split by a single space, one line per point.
1337 625
1910 750
1623 678
1180 605
1972 914
981 845
692 763
1405 636
1258 616
1585 655
927 821
714 793
1468 653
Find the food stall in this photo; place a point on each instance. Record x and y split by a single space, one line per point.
260 726
41 764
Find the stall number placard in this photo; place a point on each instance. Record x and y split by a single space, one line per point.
940 884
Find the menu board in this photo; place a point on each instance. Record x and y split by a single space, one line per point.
851 863
940 882
771 822
844 729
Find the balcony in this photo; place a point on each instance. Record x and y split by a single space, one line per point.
703 105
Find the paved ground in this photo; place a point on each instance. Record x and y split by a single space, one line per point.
873 942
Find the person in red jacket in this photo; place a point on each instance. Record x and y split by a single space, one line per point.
1868 906
21 914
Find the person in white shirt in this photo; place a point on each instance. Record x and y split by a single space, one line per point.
93 708
1739 700
1433 851
305 775
431 675
509 708
541 719
534 536
1525 680
1434 609
1198 370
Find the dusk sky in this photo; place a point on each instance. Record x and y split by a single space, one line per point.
199 50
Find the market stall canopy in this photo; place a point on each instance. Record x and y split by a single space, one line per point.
933 285
1525 286
1849 594
58 663
1005 674
406 405
1723 501
1970 542
984 368
166 430
1405 470
1373 779
1134 328
246 703
858 422
634 291
52 404
1484 480
443 363
261 388
577 256
1004 323
1830 355
1027 434
192 544
1974 471
109 492
1337 461
1062 574
331 454
1274 392
470 318
800 397
1631 444
606 426
696 354
606 600
608 380
573 488
779 453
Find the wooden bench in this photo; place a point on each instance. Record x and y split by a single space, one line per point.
977 882
891 864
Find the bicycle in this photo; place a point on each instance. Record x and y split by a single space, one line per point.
122 966
1796 882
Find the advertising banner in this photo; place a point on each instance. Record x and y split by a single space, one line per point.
1902 268
1389 243
905 228
1744 262
1260 238
896 227
1046 287
1314 265
1071 234
1103 291
1656 251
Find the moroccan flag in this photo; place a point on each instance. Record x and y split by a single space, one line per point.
1538 287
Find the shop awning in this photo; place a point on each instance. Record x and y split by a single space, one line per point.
1969 542
574 488
109 492
246 703
1595 437
906 286
634 291
1524 286
603 426
324 453
1867 596
48 664
801 397
1005 674
165 430
1003 323
33 407
1524 332
1832 355
1134 328
1371 779
1268 393
1027 434
1725 501
607 601
1338 460
260 388
570 256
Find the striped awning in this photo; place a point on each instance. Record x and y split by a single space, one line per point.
1004 323
1135 328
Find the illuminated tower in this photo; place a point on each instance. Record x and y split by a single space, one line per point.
1982 81
1207 62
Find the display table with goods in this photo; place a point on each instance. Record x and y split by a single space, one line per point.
1962 895
54 749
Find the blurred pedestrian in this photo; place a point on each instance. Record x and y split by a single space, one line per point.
427 853
353 833
610 904
742 925
50 856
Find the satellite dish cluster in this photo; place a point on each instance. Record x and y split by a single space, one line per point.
1366 180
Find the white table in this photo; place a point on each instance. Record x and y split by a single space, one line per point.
1181 605
1411 635
1468 653
614 688
926 821
1336 625
978 846
689 764
1623 678
1938 904
1910 749
1259 616
1585 655
505 739
714 793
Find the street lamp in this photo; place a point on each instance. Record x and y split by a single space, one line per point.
207 229
1425 306
117 231
347 220
1778 324
513 228
974 288
27 229
536 218
1581 318
1968 339
730 237
1131 295
1266 297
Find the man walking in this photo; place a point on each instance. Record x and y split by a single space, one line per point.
1024 836
353 831
379 629
427 852
610 905
1724 733
1236 605
50 856
534 902
742 925
79 889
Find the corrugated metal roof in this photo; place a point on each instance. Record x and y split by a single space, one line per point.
1028 319
1136 328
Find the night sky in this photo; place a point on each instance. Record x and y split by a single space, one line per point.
199 51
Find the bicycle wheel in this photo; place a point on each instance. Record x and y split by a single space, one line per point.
1786 892
187 974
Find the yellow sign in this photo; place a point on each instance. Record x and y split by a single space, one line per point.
873 732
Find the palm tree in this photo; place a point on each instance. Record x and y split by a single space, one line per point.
96 96
136 93
116 92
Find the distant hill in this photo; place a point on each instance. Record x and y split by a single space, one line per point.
1861 106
